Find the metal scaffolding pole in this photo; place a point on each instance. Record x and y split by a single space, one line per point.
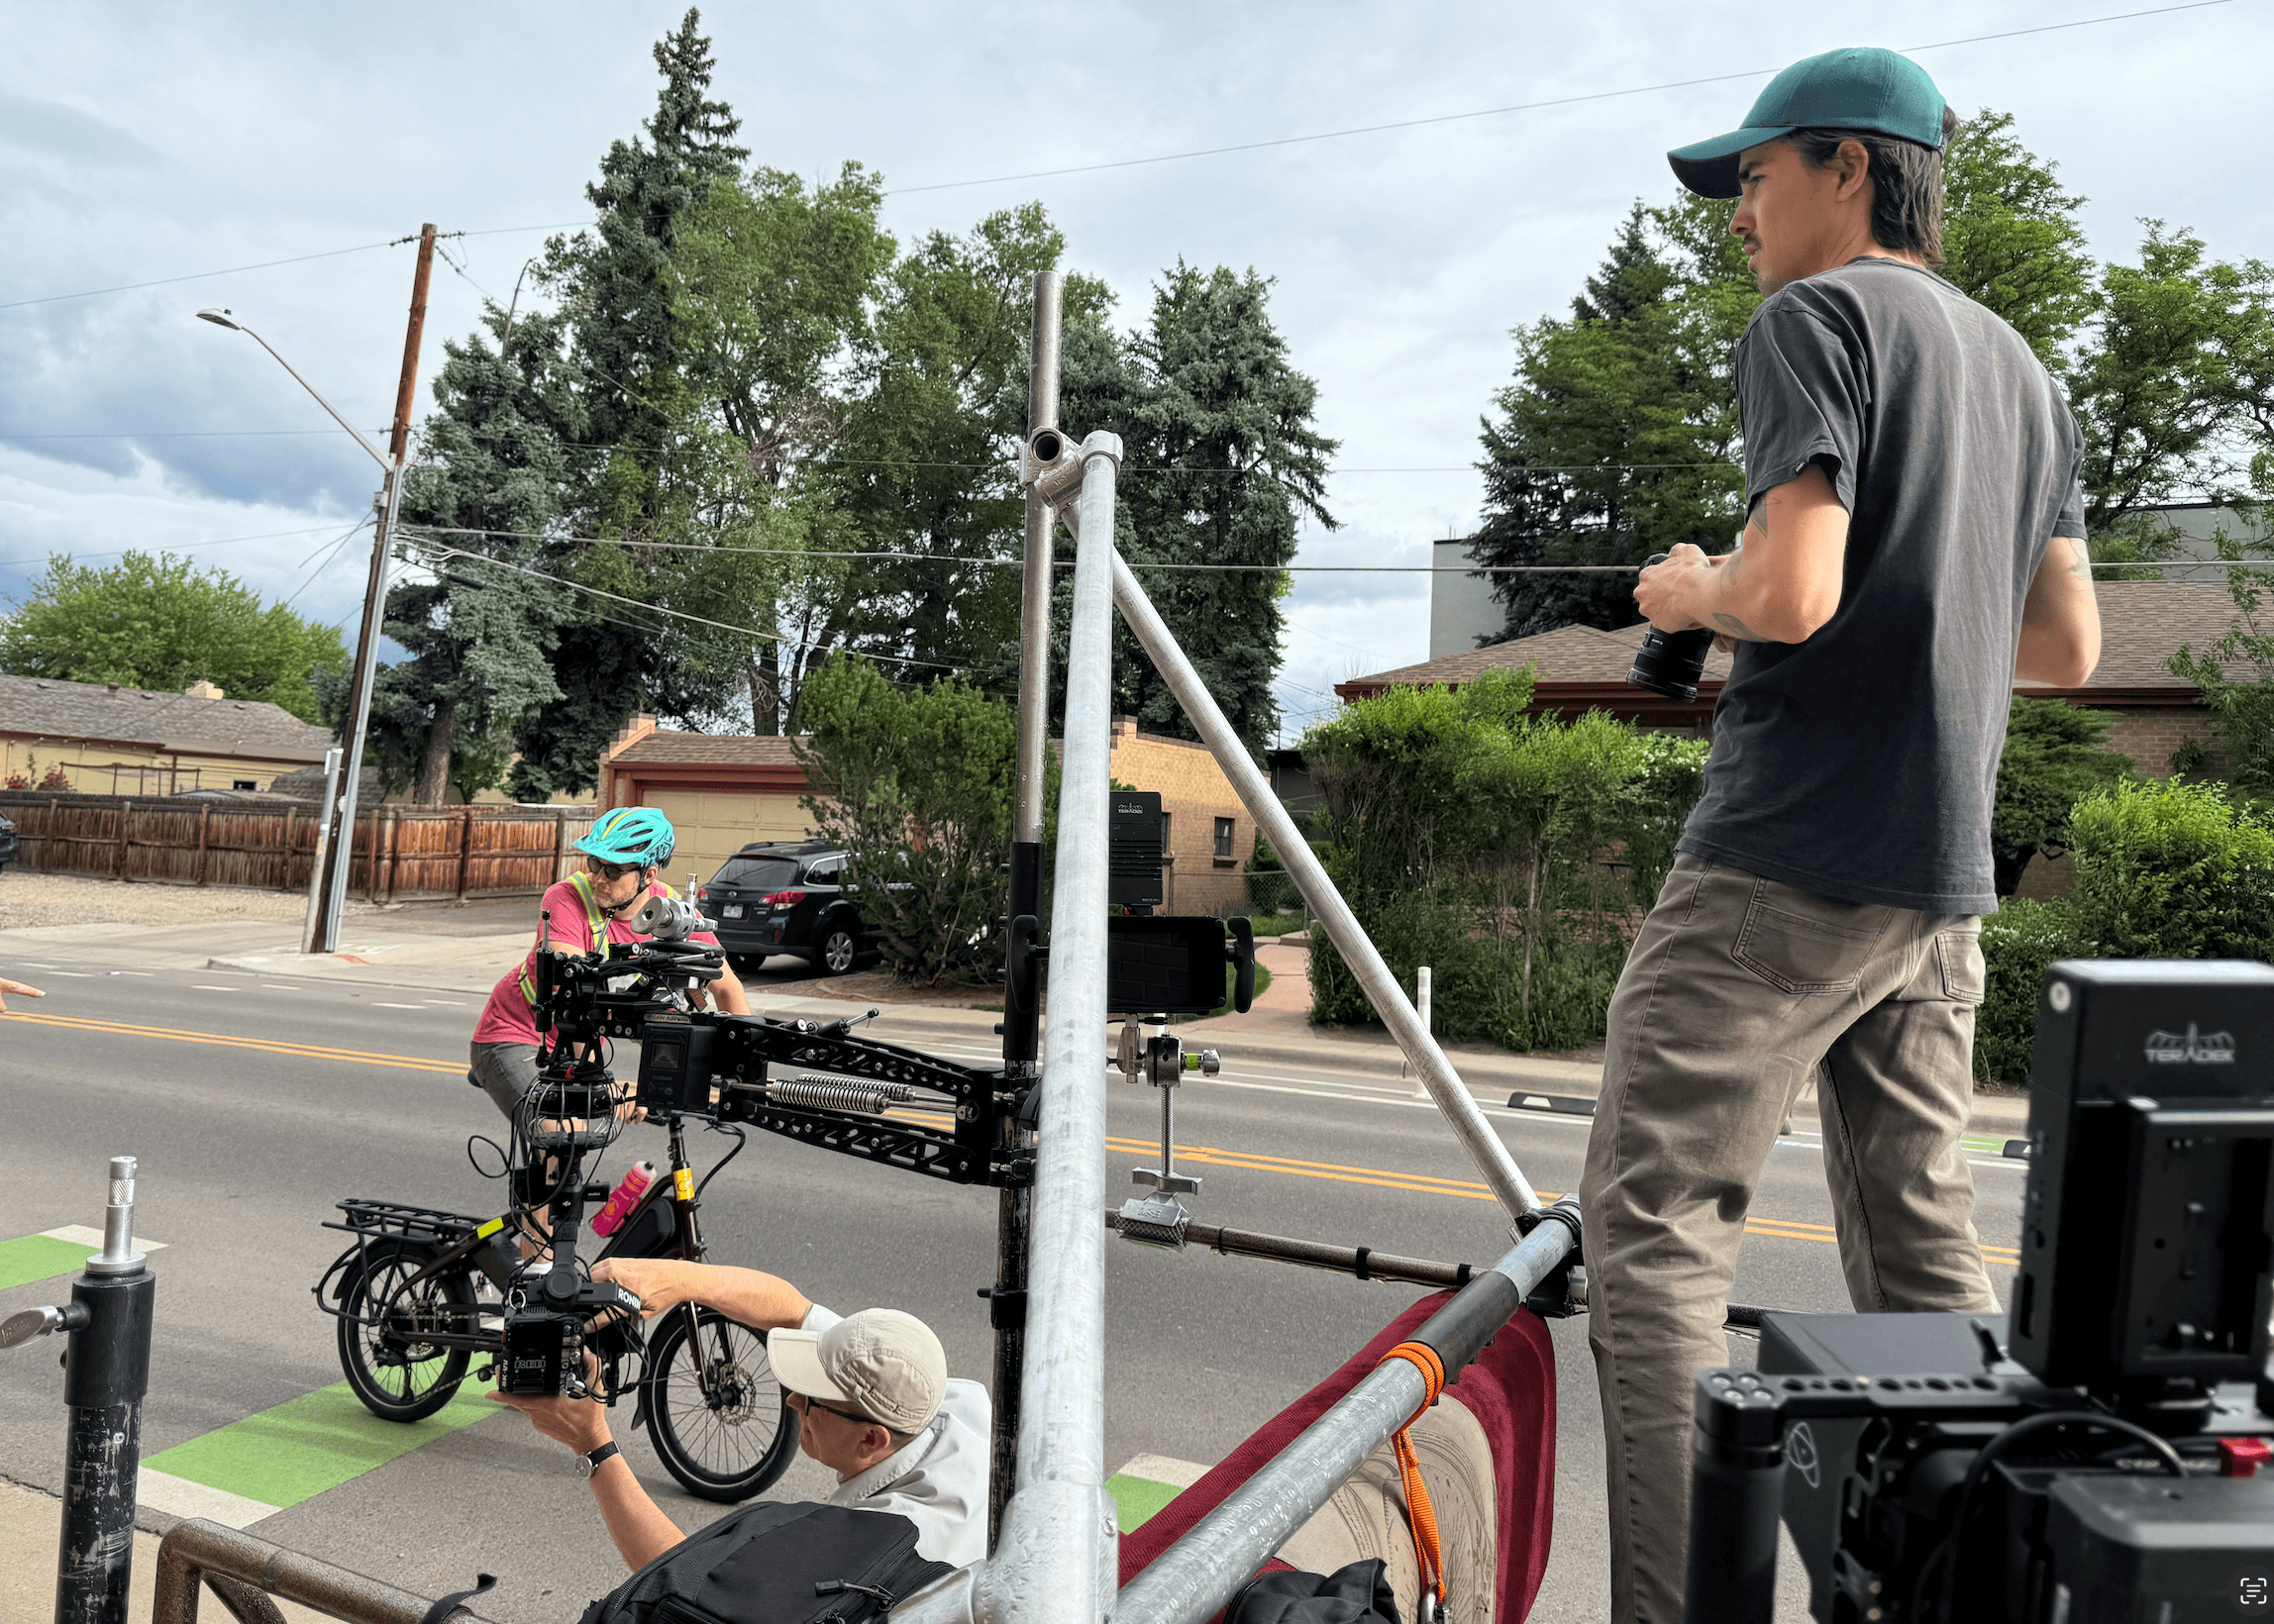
1436 1073
1022 1015
1188 1582
1054 1563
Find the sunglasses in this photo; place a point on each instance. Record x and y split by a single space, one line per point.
611 870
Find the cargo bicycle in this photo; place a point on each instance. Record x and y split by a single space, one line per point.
407 1295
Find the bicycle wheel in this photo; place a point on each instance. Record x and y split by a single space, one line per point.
716 1413
398 1377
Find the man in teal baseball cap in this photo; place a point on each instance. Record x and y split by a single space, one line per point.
1914 546
1863 90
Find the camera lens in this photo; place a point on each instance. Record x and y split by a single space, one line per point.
1671 662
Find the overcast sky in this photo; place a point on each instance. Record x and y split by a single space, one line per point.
146 141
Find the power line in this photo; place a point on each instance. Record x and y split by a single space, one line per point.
1514 107
1007 563
447 553
270 265
169 547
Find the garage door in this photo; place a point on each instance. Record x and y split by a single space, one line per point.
713 825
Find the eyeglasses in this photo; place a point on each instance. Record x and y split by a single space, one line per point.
813 1404
610 870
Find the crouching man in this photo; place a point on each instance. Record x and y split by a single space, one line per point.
873 1389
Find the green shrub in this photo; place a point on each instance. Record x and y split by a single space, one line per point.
2164 870
2174 871
1510 853
2018 942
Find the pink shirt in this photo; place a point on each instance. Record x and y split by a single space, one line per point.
577 922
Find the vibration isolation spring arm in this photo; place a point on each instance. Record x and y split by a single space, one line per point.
827 1093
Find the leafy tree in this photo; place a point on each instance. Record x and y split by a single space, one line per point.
2161 387
924 463
2242 708
2011 237
776 285
482 633
915 783
1222 459
161 622
2056 753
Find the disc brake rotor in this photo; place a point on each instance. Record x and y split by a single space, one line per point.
730 1392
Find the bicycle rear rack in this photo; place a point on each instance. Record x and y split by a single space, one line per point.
368 1221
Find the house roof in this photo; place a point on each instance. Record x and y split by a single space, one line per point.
667 748
1569 653
2143 624
44 707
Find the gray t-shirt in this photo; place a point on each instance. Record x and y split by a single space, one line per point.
1861 763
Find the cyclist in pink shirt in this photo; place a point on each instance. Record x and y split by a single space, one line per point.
624 853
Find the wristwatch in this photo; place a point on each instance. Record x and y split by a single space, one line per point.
586 1464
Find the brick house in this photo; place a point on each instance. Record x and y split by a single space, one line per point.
2142 625
723 790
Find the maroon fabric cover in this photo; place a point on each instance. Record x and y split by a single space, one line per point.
1511 1391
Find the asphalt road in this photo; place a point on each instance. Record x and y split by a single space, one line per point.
245 1150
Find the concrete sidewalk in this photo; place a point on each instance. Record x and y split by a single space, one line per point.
1275 1034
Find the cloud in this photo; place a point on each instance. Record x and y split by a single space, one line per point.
68 135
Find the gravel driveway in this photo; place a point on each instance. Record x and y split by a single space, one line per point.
29 899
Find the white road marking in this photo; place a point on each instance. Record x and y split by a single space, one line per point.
81 975
200 986
447 1003
141 972
276 986
179 1497
84 1235
1161 1468
378 1005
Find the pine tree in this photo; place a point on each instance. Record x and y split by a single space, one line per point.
617 285
482 632
1221 460
1615 441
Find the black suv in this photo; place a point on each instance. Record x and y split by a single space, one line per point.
786 896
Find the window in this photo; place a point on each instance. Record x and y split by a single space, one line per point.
757 874
1224 827
245 784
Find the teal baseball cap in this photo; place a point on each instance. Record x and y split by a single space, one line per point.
1863 87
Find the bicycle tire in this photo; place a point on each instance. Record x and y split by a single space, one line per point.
380 1350
722 1424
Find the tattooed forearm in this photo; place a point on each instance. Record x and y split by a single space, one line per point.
2080 562
1738 629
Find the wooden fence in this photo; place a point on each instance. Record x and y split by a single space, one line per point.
401 853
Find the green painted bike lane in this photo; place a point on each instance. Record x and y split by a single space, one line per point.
277 1458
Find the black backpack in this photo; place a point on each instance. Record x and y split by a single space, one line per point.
777 1564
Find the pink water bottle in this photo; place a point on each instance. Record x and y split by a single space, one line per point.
624 1197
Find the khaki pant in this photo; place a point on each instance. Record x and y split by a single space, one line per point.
1738 991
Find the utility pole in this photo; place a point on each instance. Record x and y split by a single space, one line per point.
336 849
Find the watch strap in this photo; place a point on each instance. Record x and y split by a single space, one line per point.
588 1465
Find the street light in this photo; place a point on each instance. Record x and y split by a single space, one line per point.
335 839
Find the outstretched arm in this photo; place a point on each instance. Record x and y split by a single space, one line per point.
763 1302
641 1531
1780 588
2060 619
8 986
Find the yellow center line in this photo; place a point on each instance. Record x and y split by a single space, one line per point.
1200 1154
302 1050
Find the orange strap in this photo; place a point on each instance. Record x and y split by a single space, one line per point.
1420 1514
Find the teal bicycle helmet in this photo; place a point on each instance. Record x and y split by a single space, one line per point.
634 835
